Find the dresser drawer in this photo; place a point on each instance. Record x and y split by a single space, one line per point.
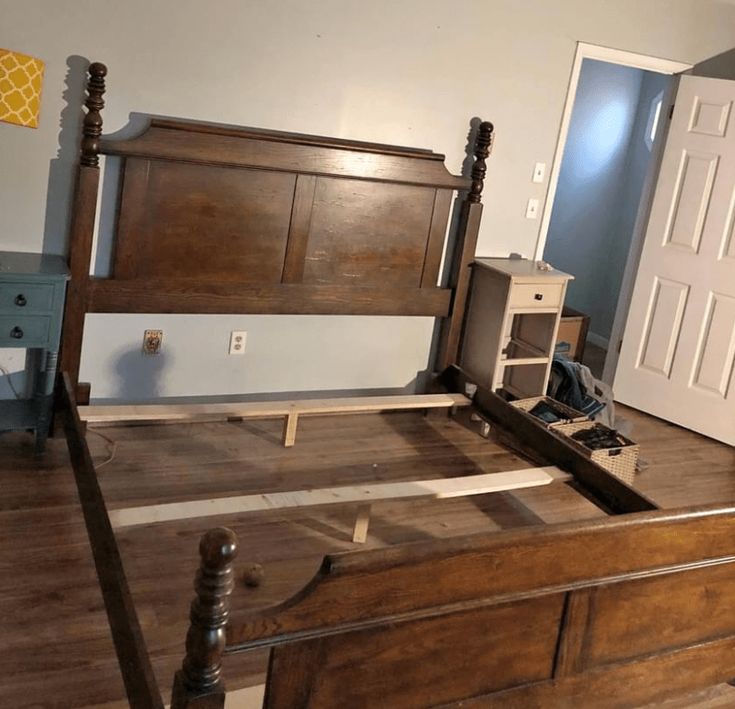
24 331
25 298
535 295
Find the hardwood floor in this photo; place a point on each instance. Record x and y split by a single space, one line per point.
54 639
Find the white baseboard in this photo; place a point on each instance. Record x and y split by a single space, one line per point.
598 340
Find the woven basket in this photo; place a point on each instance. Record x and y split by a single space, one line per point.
571 415
620 461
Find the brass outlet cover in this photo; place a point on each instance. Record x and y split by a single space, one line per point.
152 341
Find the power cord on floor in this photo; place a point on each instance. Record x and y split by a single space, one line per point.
112 449
10 382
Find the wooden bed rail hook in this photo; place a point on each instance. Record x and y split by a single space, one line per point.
198 684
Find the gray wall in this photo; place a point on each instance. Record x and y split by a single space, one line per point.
410 72
605 162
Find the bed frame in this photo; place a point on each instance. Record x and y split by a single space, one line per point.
562 615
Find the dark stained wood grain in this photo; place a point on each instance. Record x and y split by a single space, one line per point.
243 148
206 206
204 223
298 233
419 663
437 237
82 234
198 684
366 233
135 666
120 296
596 601
571 652
626 686
697 606
464 250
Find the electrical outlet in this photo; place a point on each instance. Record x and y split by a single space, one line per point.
238 338
152 341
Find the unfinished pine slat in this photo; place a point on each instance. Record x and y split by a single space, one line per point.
362 522
266 409
289 429
440 488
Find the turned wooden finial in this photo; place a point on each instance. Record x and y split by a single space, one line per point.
483 143
92 128
199 683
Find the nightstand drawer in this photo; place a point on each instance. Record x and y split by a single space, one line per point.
24 331
535 295
26 298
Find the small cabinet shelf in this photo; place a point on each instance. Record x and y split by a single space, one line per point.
511 325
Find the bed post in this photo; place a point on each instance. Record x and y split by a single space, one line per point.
84 207
198 684
464 250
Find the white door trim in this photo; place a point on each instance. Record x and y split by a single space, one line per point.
605 54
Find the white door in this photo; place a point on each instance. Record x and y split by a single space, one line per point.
678 349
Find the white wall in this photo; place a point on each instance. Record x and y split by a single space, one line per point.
400 71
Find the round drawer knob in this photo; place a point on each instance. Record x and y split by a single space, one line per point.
17 333
20 300
538 296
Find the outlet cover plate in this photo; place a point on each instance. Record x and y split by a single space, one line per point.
152 342
238 339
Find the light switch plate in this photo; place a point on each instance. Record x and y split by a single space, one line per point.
532 209
539 171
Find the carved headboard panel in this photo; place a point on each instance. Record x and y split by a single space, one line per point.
219 219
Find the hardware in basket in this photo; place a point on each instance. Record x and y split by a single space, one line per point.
605 446
548 411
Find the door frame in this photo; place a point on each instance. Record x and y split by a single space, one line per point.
637 61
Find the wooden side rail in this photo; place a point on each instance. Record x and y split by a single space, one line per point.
290 410
567 615
132 655
544 444
366 494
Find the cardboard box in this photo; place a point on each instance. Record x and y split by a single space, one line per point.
572 334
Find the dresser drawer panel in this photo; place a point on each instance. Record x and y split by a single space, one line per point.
535 295
24 331
24 298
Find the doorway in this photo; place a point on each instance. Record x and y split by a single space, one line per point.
600 186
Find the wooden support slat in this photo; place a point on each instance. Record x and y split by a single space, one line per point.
362 522
266 409
135 665
289 429
439 489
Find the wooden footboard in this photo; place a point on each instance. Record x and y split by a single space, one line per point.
616 613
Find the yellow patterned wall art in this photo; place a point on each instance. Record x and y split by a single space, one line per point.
21 77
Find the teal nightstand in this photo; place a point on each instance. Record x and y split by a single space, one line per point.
32 292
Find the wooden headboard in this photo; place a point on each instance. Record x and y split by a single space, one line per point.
219 219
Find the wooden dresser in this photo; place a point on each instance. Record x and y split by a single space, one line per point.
511 326
32 291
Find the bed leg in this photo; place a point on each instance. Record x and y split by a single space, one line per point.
362 522
289 429
198 684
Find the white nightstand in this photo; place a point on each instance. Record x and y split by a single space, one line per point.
512 320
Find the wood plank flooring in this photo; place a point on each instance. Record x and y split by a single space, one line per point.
54 639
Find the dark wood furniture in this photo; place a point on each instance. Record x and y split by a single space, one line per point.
564 615
32 290
219 219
